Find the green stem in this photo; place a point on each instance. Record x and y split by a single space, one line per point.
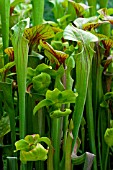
103 118
12 163
68 83
50 159
107 152
99 142
29 116
39 125
57 123
106 159
93 4
71 11
29 165
82 138
39 165
1 101
68 165
101 115
39 122
22 115
105 28
23 166
34 124
5 14
90 120
103 122
38 10
97 97
103 3
68 149
56 138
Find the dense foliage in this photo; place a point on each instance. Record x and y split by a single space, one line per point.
56 85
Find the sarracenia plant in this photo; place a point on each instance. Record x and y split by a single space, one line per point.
20 45
59 88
